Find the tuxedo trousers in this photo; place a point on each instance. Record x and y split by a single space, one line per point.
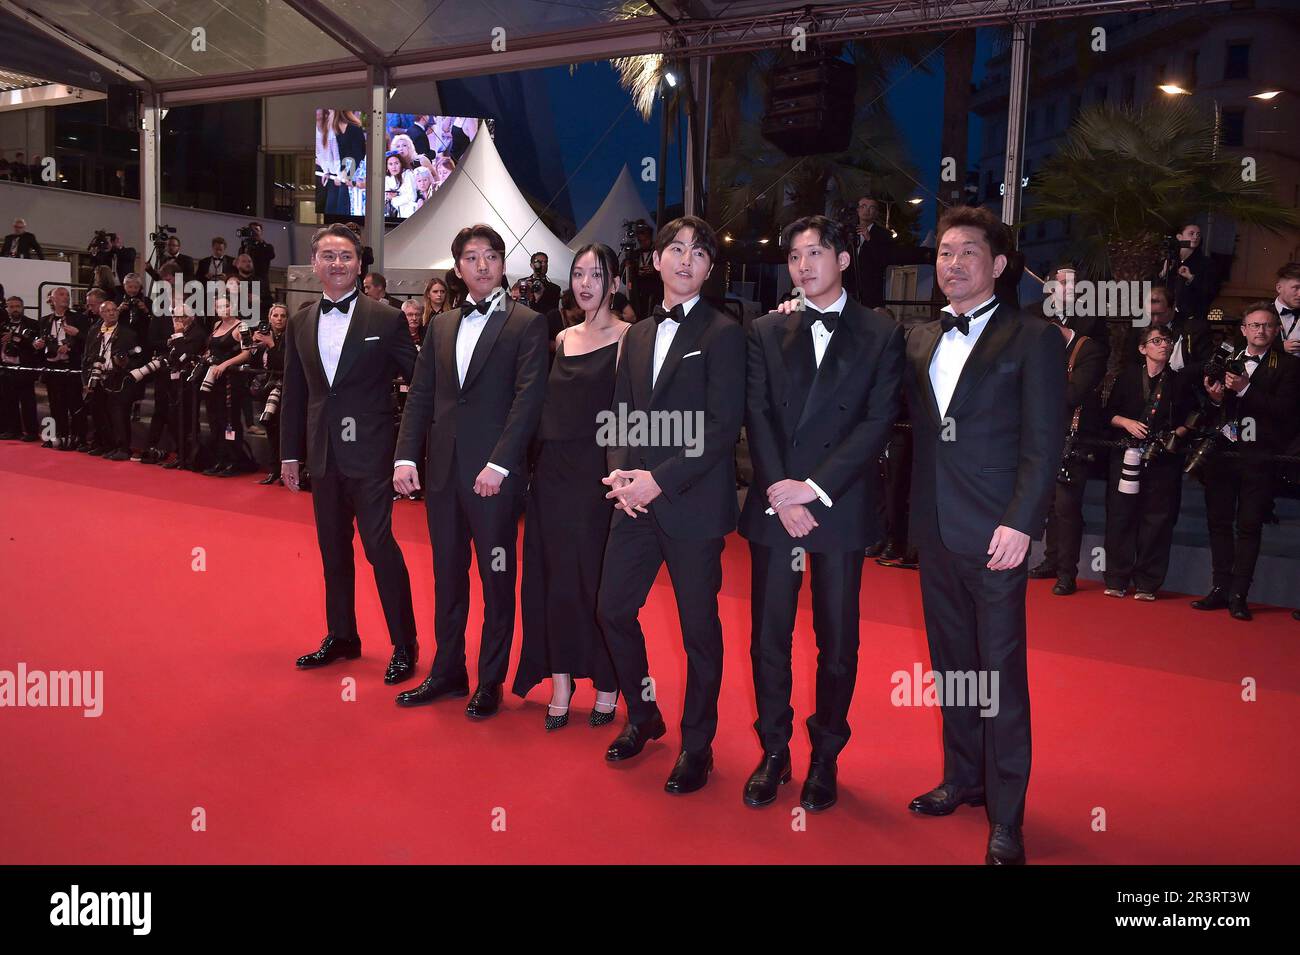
777 575
634 552
975 624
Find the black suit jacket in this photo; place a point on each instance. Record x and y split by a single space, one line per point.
223 266
28 247
493 416
124 345
827 423
1272 400
1083 384
313 411
702 374
996 459
76 343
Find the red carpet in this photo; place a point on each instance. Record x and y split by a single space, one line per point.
1137 711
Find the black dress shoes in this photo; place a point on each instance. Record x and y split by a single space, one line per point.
876 549
819 789
634 737
1216 599
1064 586
402 664
271 478
943 800
1237 608
1043 571
691 772
1295 614
433 688
772 772
331 649
1006 846
485 702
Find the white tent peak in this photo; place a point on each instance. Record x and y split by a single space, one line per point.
622 203
479 190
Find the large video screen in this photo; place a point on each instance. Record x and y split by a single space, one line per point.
420 156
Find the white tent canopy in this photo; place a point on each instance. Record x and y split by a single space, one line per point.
622 204
479 190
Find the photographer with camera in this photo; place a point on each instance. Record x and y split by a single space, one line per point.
223 391
535 290
267 356
60 339
108 250
1085 367
17 388
1190 274
645 287
1255 395
168 251
259 250
181 366
112 351
21 244
1147 407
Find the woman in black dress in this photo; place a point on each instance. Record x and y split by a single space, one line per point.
568 515
223 391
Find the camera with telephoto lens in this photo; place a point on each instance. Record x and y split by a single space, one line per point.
52 346
18 335
272 405
245 233
96 377
100 242
164 233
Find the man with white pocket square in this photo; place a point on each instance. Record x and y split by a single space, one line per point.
680 385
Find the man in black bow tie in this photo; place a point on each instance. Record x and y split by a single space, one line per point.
986 386
675 499
474 404
1287 305
341 354
822 395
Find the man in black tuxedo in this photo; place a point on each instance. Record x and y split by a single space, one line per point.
1085 367
340 356
18 334
216 266
474 405
1259 409
112 348
675 497
987 392
21 244
872 250
62 337
821 398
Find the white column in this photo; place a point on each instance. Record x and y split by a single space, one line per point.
376 146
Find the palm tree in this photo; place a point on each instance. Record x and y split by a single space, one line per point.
1130 175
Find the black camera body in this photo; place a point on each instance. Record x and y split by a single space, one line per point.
164 233
1223 361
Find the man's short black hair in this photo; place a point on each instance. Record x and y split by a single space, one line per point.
1289 271
830 235
480 230
335 229
377 278
705 237
976 217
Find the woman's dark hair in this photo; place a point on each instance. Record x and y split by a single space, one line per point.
617 302
456 289
607 261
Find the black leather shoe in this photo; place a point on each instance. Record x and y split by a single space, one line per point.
331 649
634 737
1295 614
173 464
433 688
485 702
1216 599
875 550
1006 846
1237 608
1043 571
943 800
819 790
890 553
691 772
773 772
909 561
1064 586
226 470
402 664
270 478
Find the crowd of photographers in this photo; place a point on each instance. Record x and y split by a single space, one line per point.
1150 402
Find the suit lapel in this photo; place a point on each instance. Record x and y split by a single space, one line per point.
311 347
992 341
832 369
800 364
356 336
926 342
444 347
487 338
640 351
684 342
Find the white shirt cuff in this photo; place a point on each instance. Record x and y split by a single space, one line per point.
821 495
289 461
398 464
497 467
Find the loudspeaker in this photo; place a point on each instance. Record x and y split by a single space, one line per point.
810 107
123 108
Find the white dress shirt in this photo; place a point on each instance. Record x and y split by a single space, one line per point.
330 334
467 336
821 335
1290 323
664 336
951 354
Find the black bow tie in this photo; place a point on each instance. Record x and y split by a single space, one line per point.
1254 358
1289 311
959 322
676 313
327 306
469 307
828 319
